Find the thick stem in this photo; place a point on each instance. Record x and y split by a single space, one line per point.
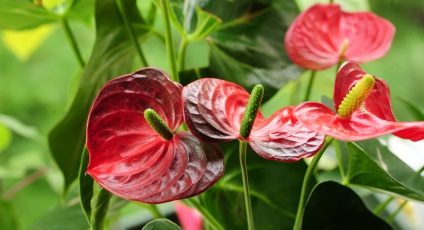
205 213
310 83
377 210
73 41
306 180
169 42
131 33
246 190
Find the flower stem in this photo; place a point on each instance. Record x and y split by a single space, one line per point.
339 155
306 180
377 210
205 213
155 211
73 41
393 215
310 83
245 179
131 33
168 40
181 54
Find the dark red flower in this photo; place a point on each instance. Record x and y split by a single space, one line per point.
374 118
323 35
213 110
132 161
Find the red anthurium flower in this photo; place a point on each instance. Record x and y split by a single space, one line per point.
372 118
131 160
213 110
323 35
190 218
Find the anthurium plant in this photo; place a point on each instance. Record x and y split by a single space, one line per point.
188 115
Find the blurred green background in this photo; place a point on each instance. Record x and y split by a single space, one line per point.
39 74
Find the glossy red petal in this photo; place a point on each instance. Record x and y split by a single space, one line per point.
281 137
316 38
213 109
361 126
377 103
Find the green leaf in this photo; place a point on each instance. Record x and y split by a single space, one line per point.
372 165
99 207
161 224
22 14
416 112
22 129
9 217
248 48
206 24
80 10
112 56
86 183
334 206
5 137
274 186
62 218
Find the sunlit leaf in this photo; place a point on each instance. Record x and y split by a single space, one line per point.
22 14
161 224
112 56
372 165
334 206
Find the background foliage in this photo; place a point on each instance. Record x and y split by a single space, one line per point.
45 95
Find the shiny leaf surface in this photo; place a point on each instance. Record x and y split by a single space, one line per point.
213 111
324 34
161 224
128 158
373 119
334 206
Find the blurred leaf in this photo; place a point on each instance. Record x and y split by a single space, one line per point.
206 24
161 224
372 165
99 207
5 137
86 183
248 48
80 9
23 14
334 206
62 218
24 43
112 56
413 109
275 190
9 217
22 129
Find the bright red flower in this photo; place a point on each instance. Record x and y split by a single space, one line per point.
190 218
323 35
213 110
132 161
374 118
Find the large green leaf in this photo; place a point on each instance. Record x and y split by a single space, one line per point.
86 183
161 224
373 165
334 206
275 191
23 14
112 56
9 217
248 48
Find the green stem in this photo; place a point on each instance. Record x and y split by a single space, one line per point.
306 180
377 210
155 211
340 160
393 215
169 42
182 53
100 207
131 33
338 65
245 179
310 83
205 213
73 41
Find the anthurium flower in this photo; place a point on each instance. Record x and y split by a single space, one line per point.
190 218
213 111
363 109
323 35
130 159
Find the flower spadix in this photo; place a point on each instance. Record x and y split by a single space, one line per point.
133 148
214 110
364 109
323 35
